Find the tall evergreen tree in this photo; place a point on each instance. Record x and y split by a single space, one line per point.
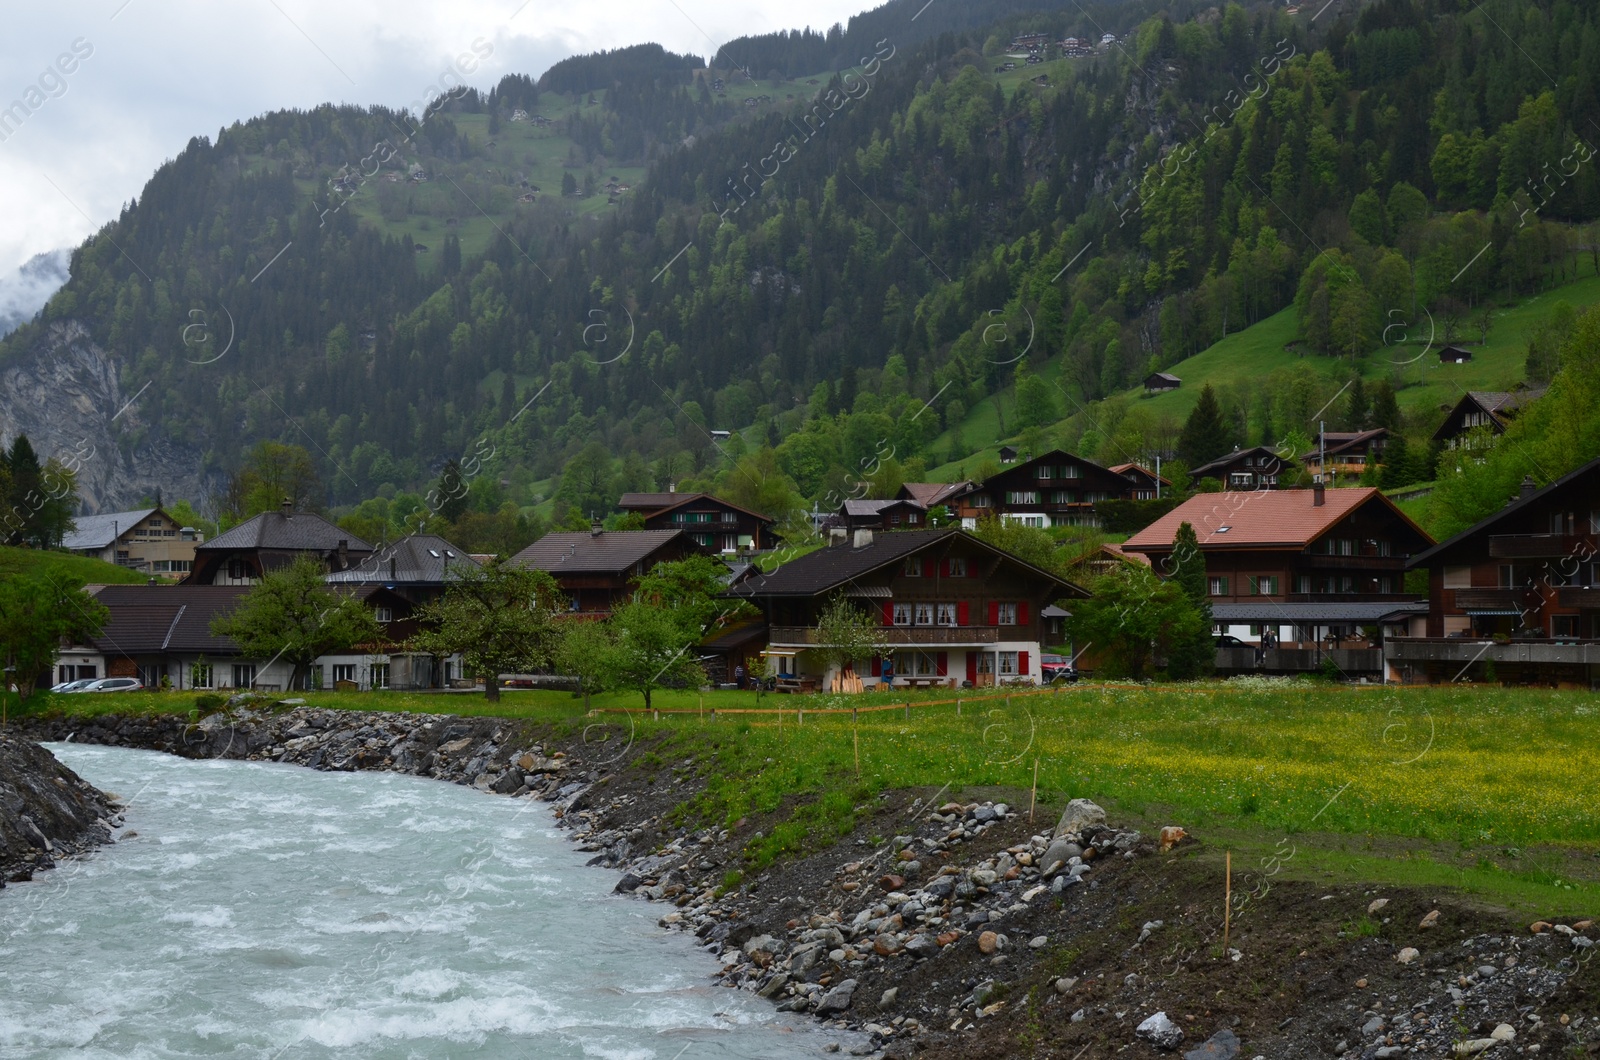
1192 652
1357 410
1206 433
1385 410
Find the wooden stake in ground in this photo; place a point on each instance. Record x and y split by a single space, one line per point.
1227 897
1033 800
855 736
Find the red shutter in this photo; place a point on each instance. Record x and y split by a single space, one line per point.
877 666
927 566
888 612
962 618
941 663
972 568
972 667
1022 664
1022 613
944 568
994 613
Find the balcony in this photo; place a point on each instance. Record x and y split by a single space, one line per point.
1464 650
1541 546
1575 596
1491 599
1365 561
907 636
1299 660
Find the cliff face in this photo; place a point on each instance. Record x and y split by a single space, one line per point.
46 810
64 394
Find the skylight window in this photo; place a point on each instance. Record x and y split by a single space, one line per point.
433 553
1223 529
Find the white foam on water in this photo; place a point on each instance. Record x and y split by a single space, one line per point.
268 909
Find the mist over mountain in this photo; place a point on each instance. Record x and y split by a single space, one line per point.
24 292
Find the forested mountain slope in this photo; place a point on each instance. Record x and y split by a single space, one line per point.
812 271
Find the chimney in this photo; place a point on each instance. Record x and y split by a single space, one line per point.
344 554
595 529
837 536
288 507
391 566
672 487
1528 487
1319 495
863 538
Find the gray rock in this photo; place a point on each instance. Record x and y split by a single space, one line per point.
837 999
922 946
1160 1031
889 997
983 814
1059 850
1223 1045
1079 815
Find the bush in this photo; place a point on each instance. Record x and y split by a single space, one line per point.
210 702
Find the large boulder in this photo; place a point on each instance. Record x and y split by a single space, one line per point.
1080 815
1160 1031
837 999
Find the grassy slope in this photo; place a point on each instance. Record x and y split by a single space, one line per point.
1422 383
15 562
1484 789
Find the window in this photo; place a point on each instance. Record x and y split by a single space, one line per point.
200 675
924 614
244 675
1008 664
958 568
980 500
1564 626
1219 586
985 663
902 614
156 522
1005 614
947 614
1383 548
380 675
1508 576
916 663
1346 547
1263 585
1302 583
385 615
912 568
1022 496
344 672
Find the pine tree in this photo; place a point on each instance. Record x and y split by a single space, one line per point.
1357 410
1193 653
1206 434
1385 410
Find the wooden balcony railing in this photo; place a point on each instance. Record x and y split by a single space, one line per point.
1542 546
908 636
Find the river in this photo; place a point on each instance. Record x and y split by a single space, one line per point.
272 911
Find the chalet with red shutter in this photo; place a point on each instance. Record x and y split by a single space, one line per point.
954 610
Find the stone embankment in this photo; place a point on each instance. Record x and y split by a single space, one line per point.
47 811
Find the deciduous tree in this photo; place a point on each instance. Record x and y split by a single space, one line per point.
292 614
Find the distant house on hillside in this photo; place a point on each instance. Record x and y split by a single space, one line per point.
1008 454
1161 382
897 514
1146 484
932 495
1479 410
146 540
1256 468
711 522
1454 355
1348 452
1055 489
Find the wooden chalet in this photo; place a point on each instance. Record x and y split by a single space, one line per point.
1481 416
271 541
1056 489
1516 595
597 569
1317 569
953 609
1256 468
711 522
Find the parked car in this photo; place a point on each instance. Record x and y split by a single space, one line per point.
1228 640
114 684
1056 668
74 686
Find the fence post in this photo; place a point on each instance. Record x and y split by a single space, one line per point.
908 710
958 706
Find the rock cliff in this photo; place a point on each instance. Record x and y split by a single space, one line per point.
46 810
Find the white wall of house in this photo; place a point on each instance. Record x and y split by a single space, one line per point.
921 662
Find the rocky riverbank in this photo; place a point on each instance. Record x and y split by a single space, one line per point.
959 928
47 811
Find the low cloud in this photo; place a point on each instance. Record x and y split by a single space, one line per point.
24 292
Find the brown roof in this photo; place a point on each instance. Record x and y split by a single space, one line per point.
932 494
1260 519
296 531
586 552
149 619
653 502
1123 469
1118 552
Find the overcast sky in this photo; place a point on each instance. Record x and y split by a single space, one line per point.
148 75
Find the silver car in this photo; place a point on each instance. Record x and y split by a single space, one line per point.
114 684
